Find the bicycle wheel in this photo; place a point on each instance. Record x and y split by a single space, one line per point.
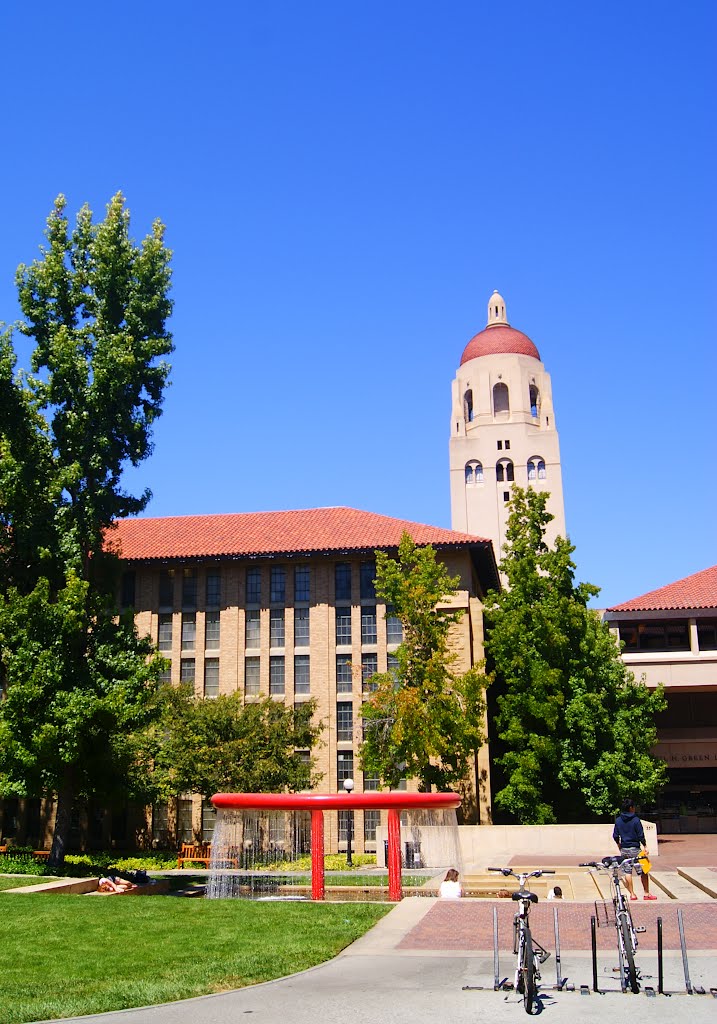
629 954
527 972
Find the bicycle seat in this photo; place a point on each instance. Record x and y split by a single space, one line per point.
523 894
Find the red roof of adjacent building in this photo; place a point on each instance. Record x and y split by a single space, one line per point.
499 339
696 591
252 534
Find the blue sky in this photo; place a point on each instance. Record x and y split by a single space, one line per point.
344 185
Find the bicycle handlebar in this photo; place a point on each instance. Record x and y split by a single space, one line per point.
524 874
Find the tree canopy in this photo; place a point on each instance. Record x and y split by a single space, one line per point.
223 745
574 726
423 720
77 680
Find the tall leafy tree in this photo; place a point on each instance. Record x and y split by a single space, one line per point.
574 725
224 745
423 721
78 681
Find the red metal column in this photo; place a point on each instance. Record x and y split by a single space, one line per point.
318 888
394 855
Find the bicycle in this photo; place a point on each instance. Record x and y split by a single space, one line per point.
528 950
626 931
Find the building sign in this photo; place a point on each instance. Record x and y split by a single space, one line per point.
688 753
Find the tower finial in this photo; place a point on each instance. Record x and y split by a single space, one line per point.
496 310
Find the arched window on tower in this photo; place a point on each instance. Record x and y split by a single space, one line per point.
474 473
534 401
468 406
504 471
501 399
536 468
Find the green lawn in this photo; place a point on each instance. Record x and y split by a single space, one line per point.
15 881
63 956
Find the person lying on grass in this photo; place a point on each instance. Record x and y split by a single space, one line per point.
113 883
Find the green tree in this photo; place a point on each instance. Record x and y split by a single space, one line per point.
223 745
423 721
576 728
78 682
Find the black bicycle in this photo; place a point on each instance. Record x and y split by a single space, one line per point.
626 931
529 952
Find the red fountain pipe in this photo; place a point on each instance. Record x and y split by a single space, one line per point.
317 803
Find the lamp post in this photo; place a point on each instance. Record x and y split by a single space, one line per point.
348 786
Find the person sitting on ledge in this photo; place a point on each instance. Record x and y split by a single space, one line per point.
555 893
450 888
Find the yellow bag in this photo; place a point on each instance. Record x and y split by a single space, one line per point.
645 863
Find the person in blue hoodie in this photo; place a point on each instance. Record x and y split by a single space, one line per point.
630 838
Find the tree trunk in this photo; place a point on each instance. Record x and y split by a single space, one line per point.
63 821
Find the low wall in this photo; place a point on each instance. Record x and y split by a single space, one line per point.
483 845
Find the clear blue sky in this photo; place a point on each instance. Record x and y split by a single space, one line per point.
344 185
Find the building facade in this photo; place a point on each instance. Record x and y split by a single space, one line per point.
277 604
669 636
503 430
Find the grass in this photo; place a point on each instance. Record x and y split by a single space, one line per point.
64 956
15 881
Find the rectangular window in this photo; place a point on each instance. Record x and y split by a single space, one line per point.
368 625
276 627
393 665
302 678
371 821
277 686
160 824
251 677
344 766
342 575
209 820
189 630
369 667
186 670
214 589
253 586
185 833
277 591
368 576
344 720
656 636
500 445
344 680
129 583
507 446
370 783
165 676
166 589
394 630
346 826
707 635
301 627
343 627
189 589
164 637
211 630
211 677
302 583
252 628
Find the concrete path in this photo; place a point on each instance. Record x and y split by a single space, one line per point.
429 961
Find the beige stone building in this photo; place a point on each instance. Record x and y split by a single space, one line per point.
669 636
503 430
278 604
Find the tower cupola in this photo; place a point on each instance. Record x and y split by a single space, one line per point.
496 310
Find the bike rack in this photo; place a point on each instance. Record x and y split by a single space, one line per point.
593 943
559 980
683 947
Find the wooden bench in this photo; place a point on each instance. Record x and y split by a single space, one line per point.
199 852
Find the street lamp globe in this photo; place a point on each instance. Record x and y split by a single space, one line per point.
348 785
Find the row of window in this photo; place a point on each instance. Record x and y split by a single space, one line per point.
667 636
278 577
277 628
277 674
504 471
501 401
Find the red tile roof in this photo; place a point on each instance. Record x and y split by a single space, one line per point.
252 534
696 591
500 339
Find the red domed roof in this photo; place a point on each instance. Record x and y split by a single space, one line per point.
499 339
